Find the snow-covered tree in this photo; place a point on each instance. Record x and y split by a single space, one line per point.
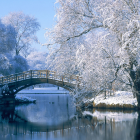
102 60
7 43
26 27
17 32
19 64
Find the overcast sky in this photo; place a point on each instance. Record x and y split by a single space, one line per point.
43 10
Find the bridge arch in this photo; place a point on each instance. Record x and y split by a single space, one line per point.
44 80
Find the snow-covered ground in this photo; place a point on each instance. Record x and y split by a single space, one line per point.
24 99
45 90
120 99
49 90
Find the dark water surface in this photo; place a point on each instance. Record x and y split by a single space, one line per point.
54 117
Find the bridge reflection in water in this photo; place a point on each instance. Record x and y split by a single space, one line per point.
55 117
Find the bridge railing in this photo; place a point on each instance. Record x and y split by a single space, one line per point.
39 74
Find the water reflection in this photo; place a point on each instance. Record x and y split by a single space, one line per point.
54 117
115 124
137 129
7 113
49 110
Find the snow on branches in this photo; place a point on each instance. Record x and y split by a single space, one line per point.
98 40
25 26
17 31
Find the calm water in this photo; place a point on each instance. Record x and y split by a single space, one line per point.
54 117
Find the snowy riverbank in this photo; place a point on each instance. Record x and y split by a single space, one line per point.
23 99
48 90
120 100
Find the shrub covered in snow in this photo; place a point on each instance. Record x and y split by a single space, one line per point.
24 99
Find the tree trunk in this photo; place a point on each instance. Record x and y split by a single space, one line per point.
136 93
138 99
137 85
135 76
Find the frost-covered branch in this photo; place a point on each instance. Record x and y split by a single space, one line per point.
99 41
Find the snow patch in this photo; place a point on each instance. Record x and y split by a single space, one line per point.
119 97
24 99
